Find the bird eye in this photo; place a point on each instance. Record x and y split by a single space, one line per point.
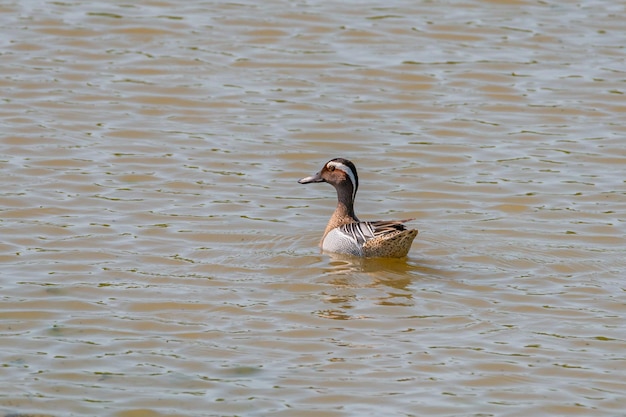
331 168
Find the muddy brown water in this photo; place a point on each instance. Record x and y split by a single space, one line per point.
159 258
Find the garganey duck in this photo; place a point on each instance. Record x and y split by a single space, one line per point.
345 233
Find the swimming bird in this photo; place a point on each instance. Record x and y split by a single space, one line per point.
345 233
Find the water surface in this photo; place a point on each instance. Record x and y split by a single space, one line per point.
159 258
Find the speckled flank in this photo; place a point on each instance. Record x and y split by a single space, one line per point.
394 245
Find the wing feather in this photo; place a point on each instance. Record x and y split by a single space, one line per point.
361 232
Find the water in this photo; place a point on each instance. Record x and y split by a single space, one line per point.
159 258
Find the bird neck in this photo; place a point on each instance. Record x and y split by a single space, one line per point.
345 202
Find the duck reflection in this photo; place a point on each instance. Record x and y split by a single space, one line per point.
383 281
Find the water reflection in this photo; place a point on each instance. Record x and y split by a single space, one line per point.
396 273
381 281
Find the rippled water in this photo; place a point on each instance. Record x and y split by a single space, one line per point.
159 258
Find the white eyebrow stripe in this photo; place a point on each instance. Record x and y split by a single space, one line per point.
348 172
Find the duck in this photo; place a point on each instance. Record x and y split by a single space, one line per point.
345 233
